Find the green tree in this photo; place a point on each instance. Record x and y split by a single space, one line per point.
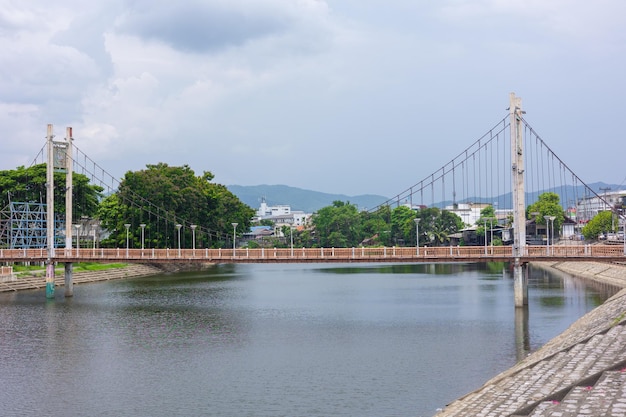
547 204
29 185
403 225
162 196
601 223
446 224
428 224
487 216
338 225
376 226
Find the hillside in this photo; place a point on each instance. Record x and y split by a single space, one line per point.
311 201
298 198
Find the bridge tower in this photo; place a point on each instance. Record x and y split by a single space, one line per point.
519 217
69 168
59 157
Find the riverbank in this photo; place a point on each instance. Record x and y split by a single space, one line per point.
580 372
38 281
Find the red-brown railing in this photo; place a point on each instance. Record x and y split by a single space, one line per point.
360 254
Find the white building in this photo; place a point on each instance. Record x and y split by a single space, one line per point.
468 212
270 211
587 208
282 215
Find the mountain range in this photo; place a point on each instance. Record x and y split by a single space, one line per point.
311 201
298 198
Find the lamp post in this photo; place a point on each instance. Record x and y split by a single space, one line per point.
193 238
549 232
77 226
491 219
624 235
547 218
291 232
178 226
127 226
234 236
485 221
95 230
551 218
417 236
143 228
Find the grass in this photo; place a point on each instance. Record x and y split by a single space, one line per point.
38 270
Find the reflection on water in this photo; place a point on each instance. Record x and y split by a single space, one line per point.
270 340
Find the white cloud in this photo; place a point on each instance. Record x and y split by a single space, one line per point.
323 95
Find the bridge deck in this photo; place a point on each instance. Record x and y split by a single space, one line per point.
320 255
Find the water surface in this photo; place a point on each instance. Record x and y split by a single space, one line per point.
275 340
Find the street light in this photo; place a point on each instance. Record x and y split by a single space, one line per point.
624 235
417 236
95 230
491 227
491 219
547 218
178 226
143 228
548 232
127 226
551 218
193 238
291 231
77 226
234 236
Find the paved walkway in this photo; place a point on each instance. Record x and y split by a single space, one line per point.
582 372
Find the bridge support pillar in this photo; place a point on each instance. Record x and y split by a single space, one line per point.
49 279
522 333
69 280
520 284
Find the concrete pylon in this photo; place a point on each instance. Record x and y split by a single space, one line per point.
519 217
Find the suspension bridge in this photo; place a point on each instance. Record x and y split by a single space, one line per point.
507 168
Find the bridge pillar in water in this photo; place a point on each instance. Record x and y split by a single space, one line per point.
50 214
522 333
69 280
520 284
49 279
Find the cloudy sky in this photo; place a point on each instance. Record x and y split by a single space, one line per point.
340 96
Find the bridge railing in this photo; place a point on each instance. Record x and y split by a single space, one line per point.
312 254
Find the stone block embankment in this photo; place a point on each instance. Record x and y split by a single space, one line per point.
580 372
37 282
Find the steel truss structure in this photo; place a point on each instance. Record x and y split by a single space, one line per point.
23 226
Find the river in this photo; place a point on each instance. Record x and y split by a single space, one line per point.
275 340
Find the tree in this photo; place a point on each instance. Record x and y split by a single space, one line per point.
487 216
403 225
446 224
338 225
29 185
601 223
163 196
376 226
547 204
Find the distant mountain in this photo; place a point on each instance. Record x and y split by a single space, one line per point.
298 198
569 195
311 201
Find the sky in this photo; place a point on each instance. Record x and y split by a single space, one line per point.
338 96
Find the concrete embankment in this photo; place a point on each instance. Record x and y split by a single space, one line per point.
38 282
580 372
